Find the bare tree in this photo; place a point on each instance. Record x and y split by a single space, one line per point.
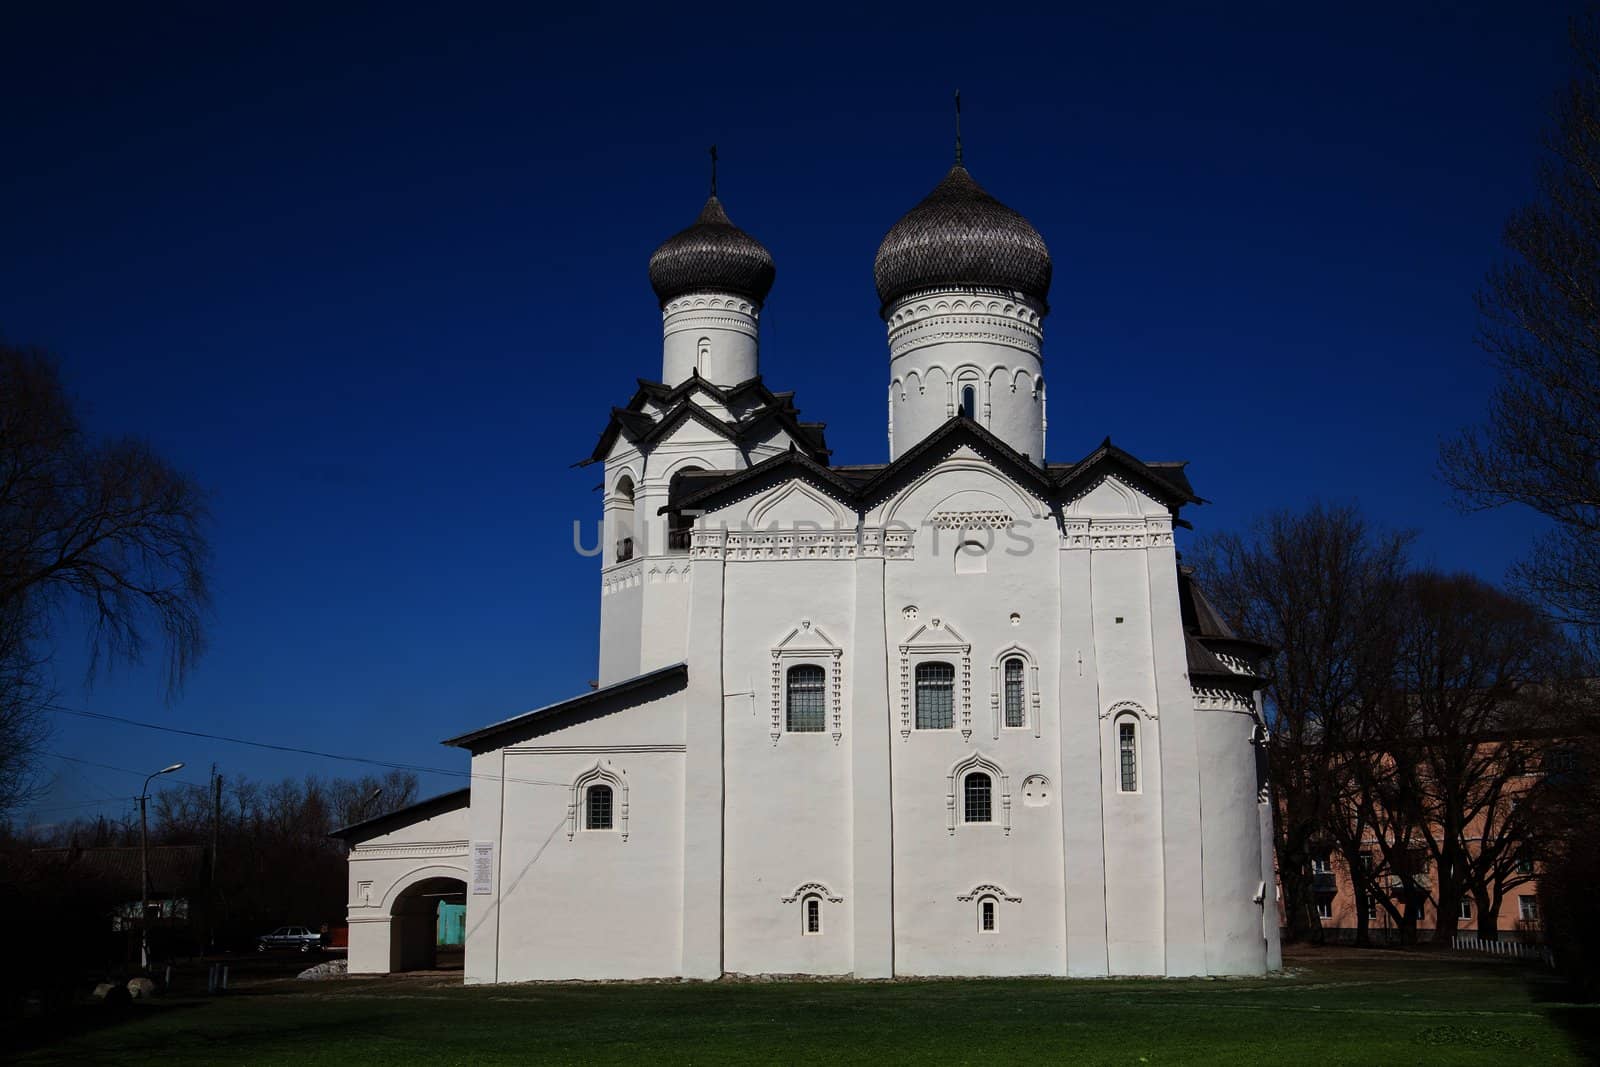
103 530
1540 320
1321 587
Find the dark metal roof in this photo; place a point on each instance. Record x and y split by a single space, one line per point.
1166 481
714 255
390 820
1206 634
960 235
643 429
677 673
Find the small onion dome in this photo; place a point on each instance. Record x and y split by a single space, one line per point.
961 236
713 254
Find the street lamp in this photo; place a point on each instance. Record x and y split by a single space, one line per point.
144 869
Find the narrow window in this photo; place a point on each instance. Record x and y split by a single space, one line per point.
976 798
597 814
1372 908
1465 910
1325 909
1128 754
1015 715
936 706
813 915
1528 909
969 401
806 713
986 915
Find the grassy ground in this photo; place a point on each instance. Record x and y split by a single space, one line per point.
1333 1007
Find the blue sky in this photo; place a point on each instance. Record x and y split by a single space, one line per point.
376 276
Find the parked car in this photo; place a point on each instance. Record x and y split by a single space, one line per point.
299 938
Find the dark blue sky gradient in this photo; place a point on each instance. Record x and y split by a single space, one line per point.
375 276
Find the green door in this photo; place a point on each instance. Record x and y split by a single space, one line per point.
452 924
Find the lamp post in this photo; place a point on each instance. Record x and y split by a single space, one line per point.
144 868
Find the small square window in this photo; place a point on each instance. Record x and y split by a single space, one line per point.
1528 909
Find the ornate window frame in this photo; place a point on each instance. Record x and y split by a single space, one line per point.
999 797
987 889
804 894
937 641
1127 711
1030 691
602 772
807 645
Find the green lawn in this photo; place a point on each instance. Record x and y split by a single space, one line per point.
1331 1008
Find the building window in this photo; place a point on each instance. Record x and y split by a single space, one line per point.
936 689
806 697
622 518
1016 712
986 915
977 793
1464 910
1528 909
969 401
1524 866
1322 863
1372 908
597 808
1128 755
1325 908
813 914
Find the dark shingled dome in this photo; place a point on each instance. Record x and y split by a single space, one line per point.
960 235
713 254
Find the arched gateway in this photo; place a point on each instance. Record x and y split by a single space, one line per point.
408 885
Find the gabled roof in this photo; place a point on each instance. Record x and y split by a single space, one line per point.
861 486
793 463
1167 482
393 820
932 449
664 678
644 430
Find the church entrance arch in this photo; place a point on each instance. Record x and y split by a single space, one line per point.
426 924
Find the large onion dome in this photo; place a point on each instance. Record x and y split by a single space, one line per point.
961 236
713 254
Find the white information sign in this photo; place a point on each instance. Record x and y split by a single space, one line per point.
483 867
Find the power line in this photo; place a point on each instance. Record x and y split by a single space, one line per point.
415 768
123 770
81 804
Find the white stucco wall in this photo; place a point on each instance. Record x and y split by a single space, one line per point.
383 867
568 902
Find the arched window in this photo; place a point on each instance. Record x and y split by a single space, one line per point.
622 510
936 690
806 699
702 356
986 910
969 401
1016 693
1128 755
680 525
977 798
813 915
597 808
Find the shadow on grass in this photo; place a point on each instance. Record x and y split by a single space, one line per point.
43 1031
1570 1008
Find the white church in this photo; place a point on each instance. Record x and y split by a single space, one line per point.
959 713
